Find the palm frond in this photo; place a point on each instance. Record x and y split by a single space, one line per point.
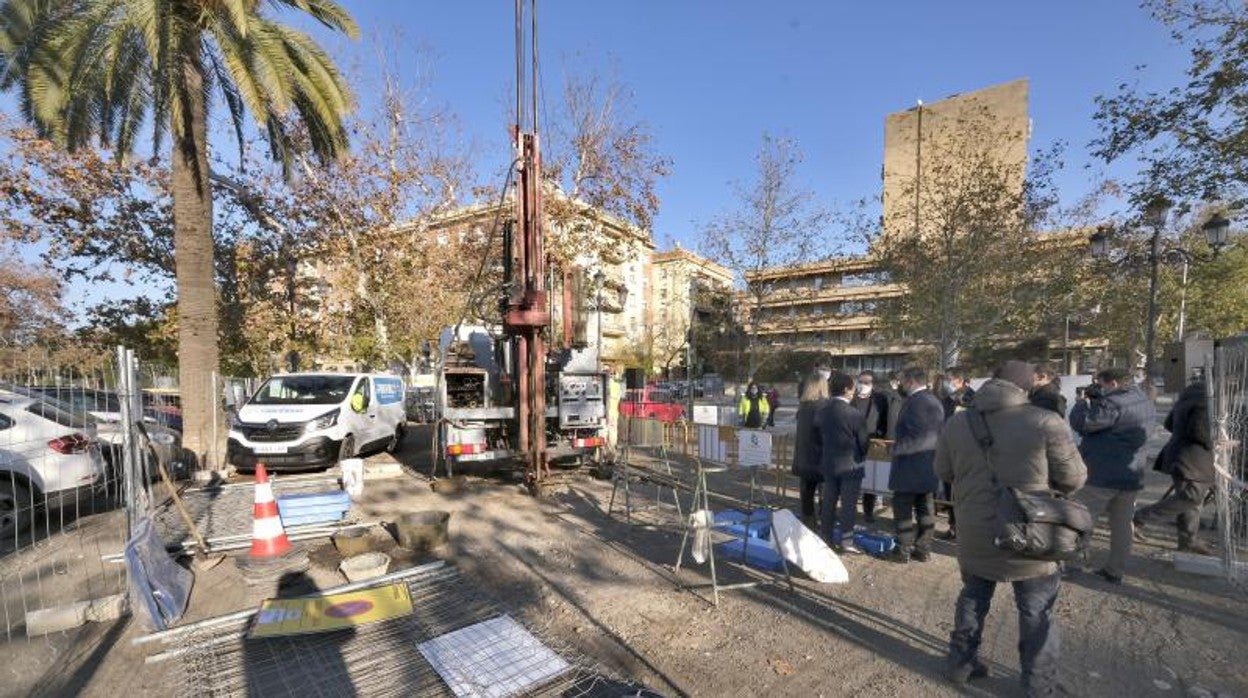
327 12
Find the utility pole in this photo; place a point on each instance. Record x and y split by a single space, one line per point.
690 351
1155 214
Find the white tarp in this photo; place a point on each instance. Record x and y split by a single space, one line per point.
806 550
496 658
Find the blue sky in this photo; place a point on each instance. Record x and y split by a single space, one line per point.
711 77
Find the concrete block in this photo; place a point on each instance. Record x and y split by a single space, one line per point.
46 621
382 471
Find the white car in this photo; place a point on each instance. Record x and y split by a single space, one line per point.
313 420
48 458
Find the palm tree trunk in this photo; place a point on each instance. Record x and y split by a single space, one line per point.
193 249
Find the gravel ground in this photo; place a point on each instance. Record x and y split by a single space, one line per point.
606 587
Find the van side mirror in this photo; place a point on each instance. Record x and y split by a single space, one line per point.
359 403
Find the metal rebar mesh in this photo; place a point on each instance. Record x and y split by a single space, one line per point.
1229 411
378 659
227 511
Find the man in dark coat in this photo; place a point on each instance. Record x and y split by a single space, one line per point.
873 404
806 466
1188 458
957 396
1047 392
1114 418
842 439
912 477
1032 451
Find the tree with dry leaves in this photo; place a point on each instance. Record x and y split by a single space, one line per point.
778 223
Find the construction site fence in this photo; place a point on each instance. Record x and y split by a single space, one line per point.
710 442
76 462
1228 398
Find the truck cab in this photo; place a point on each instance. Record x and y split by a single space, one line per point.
476 397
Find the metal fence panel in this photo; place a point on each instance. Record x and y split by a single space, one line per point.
1229 411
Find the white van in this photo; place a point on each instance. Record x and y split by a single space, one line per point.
310 420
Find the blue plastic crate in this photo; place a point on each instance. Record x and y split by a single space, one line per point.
741 525
315 500
758 553
874 543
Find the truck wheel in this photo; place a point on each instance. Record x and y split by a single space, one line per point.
396 441
15 509
347 448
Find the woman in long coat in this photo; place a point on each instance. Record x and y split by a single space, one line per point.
814 395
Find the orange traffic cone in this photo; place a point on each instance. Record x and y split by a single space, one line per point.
268 538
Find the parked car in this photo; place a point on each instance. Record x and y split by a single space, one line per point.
48 458
103 408
652 402
311 420
164 406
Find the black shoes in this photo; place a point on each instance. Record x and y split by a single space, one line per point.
898 555
1196 548
951 534
921 555
1109 576
961 673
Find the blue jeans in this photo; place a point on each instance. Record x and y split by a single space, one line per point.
840 502
1039 643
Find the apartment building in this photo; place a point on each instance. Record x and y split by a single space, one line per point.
673 277
827 307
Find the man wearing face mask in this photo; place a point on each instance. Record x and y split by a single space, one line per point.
958 395
874 408
913 475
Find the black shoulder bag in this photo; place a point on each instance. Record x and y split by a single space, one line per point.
1035 525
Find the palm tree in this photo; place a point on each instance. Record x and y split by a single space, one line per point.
94 71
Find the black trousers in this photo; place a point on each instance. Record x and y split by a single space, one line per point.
947 488
808 484
868 504
1181 506
1039 643
913 514
840 503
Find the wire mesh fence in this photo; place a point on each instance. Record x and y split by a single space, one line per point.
1229 411
394 657
63 484
81 440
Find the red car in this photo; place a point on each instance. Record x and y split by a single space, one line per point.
652 402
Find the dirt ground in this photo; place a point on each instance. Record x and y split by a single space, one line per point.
606 588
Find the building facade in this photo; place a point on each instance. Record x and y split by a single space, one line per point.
828 308
673 277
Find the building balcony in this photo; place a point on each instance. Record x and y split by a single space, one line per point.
828 323
808 295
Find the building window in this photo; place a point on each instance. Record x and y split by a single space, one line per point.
818 283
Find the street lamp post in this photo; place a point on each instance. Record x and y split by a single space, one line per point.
690 351
1155 214
599 279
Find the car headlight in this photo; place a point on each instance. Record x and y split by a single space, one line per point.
324 421
235 422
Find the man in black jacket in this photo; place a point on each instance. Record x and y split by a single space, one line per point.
842 439
1114 418
873 404
913 476
1047 392
1188 458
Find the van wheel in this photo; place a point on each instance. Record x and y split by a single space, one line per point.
15 508
396 441
347 449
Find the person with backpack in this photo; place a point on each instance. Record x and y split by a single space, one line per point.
1002 442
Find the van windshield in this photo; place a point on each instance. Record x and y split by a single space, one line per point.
303 390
